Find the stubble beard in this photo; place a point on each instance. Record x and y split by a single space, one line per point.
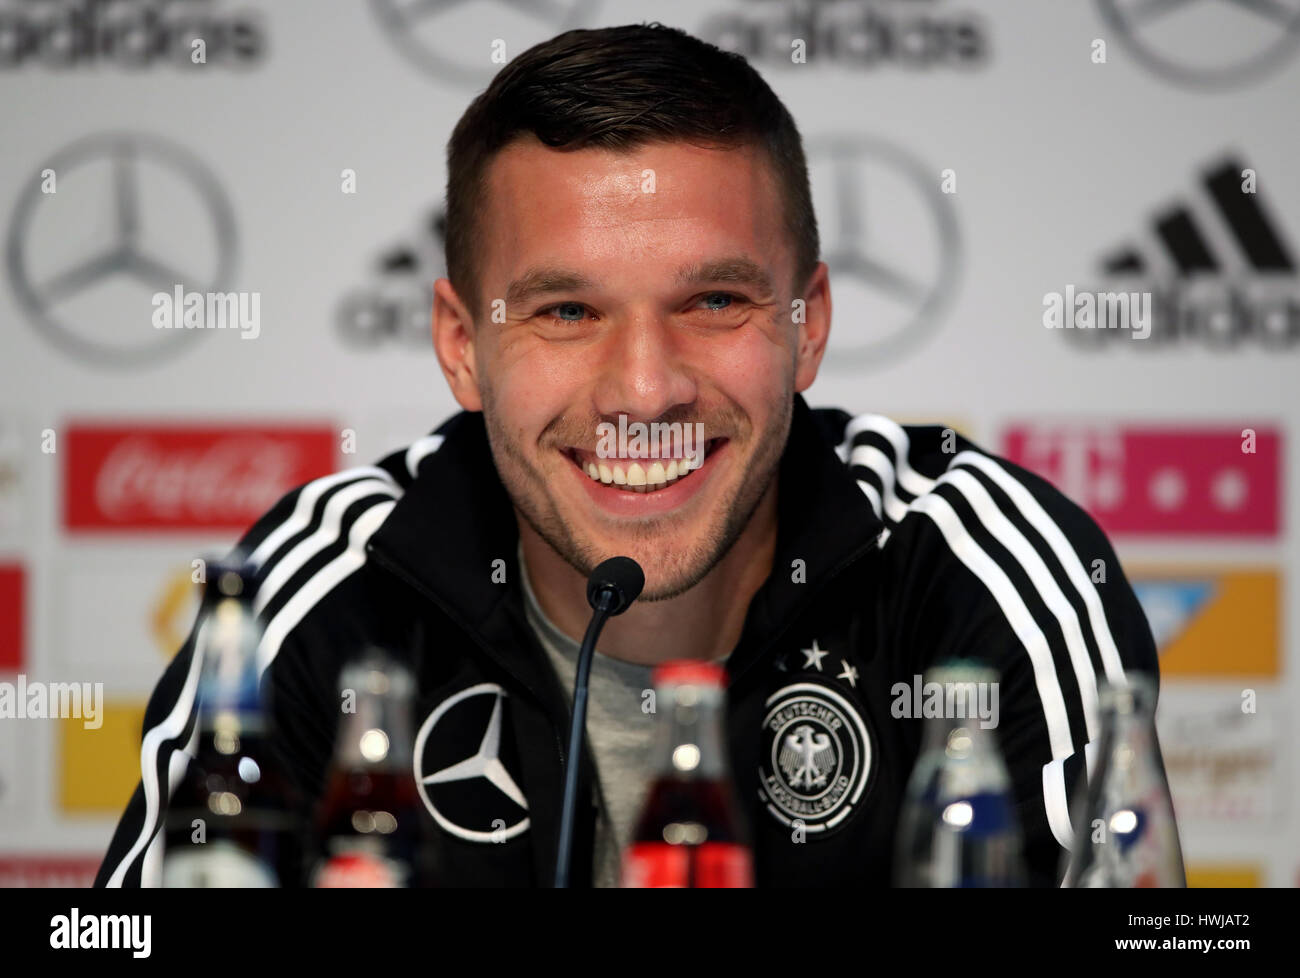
677 571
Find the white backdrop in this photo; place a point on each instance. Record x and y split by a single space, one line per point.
1060 160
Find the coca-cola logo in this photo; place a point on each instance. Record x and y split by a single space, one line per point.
62 871
178 478
217 481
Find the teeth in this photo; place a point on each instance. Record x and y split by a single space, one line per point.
635 478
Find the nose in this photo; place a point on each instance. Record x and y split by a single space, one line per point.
644 375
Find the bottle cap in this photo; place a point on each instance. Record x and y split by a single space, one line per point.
690 671
961 671
1136 694
377 672
229 577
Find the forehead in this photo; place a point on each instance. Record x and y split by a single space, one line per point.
671 199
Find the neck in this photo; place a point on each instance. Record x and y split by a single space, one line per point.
702 623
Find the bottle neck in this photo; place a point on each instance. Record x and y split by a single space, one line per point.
1135 728
1129 747
229 697
968 752
1128 719
376 735
690 741
941 733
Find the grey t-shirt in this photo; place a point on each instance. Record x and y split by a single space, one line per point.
619 732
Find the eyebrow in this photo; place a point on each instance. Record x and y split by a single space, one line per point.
738 270
544 280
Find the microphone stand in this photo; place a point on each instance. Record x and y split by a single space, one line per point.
605 600
611 589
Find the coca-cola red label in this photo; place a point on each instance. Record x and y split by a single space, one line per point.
707 865
1161 481
200 477
12 618
359 870
29 870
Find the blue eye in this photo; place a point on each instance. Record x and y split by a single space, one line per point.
710 300
569 312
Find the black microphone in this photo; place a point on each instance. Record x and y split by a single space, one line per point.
617 581
611 589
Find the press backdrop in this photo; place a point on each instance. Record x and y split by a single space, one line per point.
970 159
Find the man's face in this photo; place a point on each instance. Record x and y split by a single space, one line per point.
650 284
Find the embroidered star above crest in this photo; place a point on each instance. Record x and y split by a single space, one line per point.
849 673
813 657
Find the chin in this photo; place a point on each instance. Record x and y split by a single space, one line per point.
667 576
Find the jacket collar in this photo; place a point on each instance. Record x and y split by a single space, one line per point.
456 520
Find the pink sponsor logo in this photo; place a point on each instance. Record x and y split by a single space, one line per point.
198 477
1161 480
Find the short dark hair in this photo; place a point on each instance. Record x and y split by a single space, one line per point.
618 88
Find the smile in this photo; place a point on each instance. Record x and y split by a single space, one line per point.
639 475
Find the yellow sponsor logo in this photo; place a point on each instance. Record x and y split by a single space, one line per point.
1223 875
100 768
173 611
1213 623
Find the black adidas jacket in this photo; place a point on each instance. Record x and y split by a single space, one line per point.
897 547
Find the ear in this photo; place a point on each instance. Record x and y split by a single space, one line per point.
814 330
453 341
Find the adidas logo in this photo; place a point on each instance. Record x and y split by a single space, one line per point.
396 307
1218 268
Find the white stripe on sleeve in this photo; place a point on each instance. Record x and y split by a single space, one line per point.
971 554
1037 516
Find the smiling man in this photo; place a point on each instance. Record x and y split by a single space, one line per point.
631 242
654 282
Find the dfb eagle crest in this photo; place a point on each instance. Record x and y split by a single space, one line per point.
815 758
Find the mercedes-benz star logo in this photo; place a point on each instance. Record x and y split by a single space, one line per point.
1207 43
890 238
455 44
131 216
484 763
